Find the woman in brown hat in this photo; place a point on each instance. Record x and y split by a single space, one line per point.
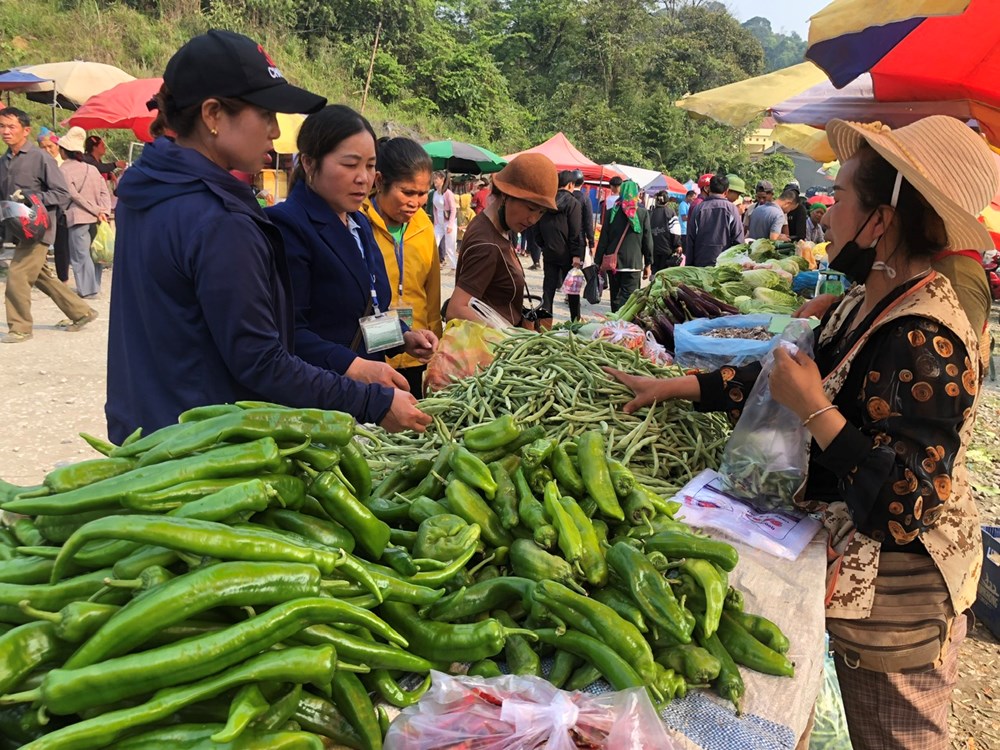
488 266
889 402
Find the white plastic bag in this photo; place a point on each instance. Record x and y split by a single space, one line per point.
765 460
527 712
574 282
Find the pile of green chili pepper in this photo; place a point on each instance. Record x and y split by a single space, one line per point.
240 579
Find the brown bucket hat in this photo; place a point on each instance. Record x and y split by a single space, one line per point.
531 177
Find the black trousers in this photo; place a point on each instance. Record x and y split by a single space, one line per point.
415 377
60 249
554 272
622 285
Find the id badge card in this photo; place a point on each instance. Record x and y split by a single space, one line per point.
405 315
382 332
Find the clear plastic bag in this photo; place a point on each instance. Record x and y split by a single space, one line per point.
527 713
466 347
830 723
574 282
693 349
622 333
102 249
765 460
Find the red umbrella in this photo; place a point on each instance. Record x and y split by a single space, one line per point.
933 54
122 107
826 200
673 186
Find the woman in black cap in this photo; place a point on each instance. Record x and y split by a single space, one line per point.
201 308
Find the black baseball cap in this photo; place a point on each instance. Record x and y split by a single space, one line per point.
223 63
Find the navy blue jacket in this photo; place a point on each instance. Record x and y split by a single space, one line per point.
201 308
331 283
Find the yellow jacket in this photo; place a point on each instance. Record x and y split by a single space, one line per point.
421 273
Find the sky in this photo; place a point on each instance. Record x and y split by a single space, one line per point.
784 15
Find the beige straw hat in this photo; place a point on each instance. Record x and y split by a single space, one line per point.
947 163
74 139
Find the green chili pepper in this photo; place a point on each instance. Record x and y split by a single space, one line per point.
68 691
445 537
639 511
670 684
563 664
538 478
307 665
227 461
618 672
355 468
532 513
248 704
466 503
402 478
319 530
521 658
432 485
472 471
441 641
26 533
528 560
25 648
694 662
650 591
595 567
53 596
569 535
583 676
57 529
388 510
326 427
26 570
621 478
491 436
198 737
748 651
621 603
403 538
9 491
729 684
142 558
150 578
400 560
369 532
762 629
526 437
380 681
485 668
506 496
280 711
564 469
421 508
677 544
201 413
100 445
596 475
482 596
602 623
537 453
352 698
214 540
707 577
81 474
320 716
234 584
662 506
361 651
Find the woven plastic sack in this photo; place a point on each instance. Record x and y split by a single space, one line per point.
765 460
512 711
574 282
102 249
694 350
465 348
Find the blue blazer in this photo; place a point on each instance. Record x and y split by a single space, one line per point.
331 282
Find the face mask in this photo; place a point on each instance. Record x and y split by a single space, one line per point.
855 262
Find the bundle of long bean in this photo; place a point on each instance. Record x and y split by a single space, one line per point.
555 380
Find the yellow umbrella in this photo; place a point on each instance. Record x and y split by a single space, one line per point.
805 139
843 17
738 104
289 124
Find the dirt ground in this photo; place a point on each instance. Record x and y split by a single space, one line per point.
53 388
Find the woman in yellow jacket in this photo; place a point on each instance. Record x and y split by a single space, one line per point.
405 234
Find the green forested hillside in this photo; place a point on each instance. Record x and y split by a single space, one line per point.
503 73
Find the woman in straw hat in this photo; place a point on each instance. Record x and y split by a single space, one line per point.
488 267
889 402
90 203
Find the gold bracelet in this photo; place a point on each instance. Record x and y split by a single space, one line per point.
816 413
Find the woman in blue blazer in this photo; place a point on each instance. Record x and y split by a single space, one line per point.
336 267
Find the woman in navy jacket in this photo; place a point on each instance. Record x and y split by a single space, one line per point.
201 307
338 274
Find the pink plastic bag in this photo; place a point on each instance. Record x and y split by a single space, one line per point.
513 711
574 282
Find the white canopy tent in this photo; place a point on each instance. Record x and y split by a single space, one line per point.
647 179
